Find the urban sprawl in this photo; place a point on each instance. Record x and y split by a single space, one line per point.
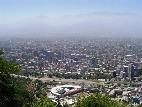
103 65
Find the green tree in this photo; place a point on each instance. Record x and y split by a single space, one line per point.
43 102
12 91
18 92
97 100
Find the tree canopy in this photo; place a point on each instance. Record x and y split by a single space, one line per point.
97 100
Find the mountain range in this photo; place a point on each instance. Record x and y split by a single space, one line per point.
94 24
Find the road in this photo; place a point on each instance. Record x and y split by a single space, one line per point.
72 81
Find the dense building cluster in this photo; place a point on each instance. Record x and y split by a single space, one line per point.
113 60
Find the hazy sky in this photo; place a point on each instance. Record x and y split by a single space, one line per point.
96 17
15 10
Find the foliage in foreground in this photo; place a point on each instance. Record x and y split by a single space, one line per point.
43 102
17 91
8 93
97 100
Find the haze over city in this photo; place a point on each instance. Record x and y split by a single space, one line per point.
94 18
70 53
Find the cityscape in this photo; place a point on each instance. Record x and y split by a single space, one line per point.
70 53
110 66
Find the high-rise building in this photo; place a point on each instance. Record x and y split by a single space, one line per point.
132 70
125 69
94 62
129 71
114 74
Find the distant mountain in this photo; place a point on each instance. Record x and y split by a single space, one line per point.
97 24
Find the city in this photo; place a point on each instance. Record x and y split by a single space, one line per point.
70 53
109 66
